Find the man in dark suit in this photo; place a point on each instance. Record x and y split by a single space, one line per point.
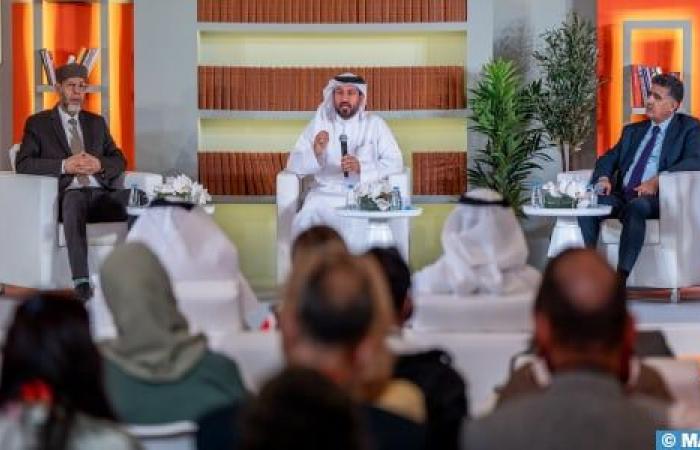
628 175
76 147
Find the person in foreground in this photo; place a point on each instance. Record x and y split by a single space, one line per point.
76 147
156 371
335 317
430 369
51 393
585 333
301 409
627 176
372 153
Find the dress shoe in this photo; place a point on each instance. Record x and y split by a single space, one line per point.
83 292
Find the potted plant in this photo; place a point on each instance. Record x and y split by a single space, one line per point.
568 60
503 108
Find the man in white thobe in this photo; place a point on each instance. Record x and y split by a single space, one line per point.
372 154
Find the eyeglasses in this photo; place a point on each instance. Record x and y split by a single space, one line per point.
77 87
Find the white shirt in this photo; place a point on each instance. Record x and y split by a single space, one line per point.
65 117
370 140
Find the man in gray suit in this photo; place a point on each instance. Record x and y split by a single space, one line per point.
586 335
76 147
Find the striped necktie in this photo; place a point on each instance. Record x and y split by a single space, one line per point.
77 147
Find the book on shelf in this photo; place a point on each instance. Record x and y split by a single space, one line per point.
640 82
47 63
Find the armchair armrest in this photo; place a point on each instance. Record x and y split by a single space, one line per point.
27 229
288 196
679 222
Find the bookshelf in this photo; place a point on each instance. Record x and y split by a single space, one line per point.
252 45
103 62
685 29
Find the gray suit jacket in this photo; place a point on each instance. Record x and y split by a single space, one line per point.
580 411
44 146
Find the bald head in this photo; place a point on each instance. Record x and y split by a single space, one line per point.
583 300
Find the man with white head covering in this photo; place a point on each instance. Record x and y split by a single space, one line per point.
372 154
484 251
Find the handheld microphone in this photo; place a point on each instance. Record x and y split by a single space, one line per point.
344 150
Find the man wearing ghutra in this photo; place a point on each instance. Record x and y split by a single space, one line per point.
484 251
372 154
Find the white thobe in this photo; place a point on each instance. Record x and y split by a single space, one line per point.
370 140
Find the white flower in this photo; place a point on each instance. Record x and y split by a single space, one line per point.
183 186
382 204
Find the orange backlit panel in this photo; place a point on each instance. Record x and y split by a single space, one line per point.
611 16
66 28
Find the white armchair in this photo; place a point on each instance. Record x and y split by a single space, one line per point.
290 195
670 255
32 245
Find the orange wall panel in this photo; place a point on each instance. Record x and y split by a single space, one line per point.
660 47
66 28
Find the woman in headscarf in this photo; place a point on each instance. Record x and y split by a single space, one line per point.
484 251
198 257
51 393
156 370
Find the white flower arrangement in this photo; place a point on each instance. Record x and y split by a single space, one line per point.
566 194
182 188
374 196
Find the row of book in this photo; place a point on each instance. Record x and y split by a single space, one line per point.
300 88
331 11
86 57
240 173
439 173
640 82
254 173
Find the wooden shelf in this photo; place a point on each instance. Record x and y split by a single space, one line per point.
325 28
308 115
91 89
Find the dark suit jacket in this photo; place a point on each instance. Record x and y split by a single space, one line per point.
44 146
680 150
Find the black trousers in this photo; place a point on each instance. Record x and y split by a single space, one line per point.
633 215
88 205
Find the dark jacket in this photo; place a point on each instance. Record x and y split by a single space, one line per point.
44 146
680 150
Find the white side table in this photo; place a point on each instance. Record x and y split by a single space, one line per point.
379 233
566 232
136 211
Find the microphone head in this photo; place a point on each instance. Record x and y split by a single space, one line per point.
343 138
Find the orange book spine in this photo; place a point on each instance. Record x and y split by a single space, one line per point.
415 10
225 174
362 11
215 10
200 11
224 14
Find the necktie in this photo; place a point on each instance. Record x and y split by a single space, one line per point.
76 147
638 170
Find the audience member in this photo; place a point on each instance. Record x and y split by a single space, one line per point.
315 239
156 370
431 370
51 393
335 318
484 251
302 409
586 335
193 248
